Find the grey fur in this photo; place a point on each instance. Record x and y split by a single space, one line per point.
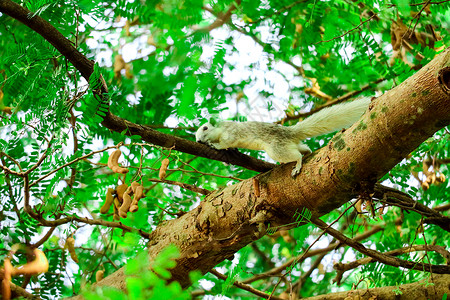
282 143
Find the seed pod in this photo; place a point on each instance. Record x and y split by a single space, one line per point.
120 190
123 210
138 194
99 275
113 162
70 245
117 204
38 265
163 169
431 179
134 185
108 201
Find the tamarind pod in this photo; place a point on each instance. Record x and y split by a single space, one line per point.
113 162
114 158
7 271
138 194
134 185
117 204
99 275
38 265
120 190
358 205
432 179
123 210
134 207
70 245
163 168
108 201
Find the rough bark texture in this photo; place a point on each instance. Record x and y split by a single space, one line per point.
351 163
435 289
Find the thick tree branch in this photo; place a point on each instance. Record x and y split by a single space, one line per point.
113 122
355 159
434 288
230 218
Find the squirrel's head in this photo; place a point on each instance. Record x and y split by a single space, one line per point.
201 136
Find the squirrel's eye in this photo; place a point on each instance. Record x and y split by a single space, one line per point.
205 127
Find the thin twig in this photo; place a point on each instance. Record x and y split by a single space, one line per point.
246 287
186 186
69 163
348 31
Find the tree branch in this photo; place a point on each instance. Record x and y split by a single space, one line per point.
436 288
342 268
232 217
381 257
113 122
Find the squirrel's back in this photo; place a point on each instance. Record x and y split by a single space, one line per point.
254 135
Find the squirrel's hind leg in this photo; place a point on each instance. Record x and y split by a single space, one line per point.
303 149
287 152
298 167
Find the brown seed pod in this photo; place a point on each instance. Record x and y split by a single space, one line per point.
134 185
123 210
38 265
358 206
163 169
108 201
113 162
120 190
117 204
70 245
99 275
138 194
431 179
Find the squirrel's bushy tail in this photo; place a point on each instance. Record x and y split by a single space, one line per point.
332 118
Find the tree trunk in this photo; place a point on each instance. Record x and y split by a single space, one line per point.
355 159
230 218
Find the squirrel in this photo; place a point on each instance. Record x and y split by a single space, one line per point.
281 143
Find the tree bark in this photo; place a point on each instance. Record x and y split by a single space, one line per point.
435 288
230 218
